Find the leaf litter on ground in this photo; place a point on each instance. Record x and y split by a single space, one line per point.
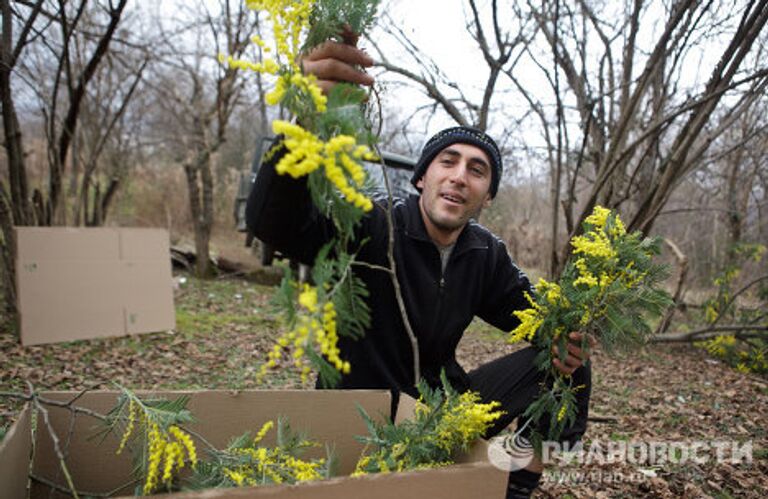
663 393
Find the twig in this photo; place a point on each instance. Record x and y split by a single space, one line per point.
59 488
372 266
70 432
55 486
379 112
682 261
82 392
733 297
55 403
55 439
199 437
603 419
393 275
756 379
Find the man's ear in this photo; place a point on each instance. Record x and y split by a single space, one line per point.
488 200
420 183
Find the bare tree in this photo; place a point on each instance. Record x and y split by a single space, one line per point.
196 97
51 53
500 50
738 167
640 137
107 140
624 119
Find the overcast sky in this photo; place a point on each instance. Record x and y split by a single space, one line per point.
438 29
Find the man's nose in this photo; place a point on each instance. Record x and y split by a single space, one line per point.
459 174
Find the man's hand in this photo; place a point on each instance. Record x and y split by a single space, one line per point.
576 356
334 62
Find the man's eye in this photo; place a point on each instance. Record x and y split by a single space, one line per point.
478 172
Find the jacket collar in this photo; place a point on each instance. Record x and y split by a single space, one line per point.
414 228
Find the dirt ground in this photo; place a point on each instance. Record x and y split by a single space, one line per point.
670 396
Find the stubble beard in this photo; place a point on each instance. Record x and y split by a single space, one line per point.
451 224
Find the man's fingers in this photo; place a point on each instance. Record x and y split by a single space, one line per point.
570 361
574 352
576 356
577 337
573 360
577 352
334 62
565 369
340 51
332 70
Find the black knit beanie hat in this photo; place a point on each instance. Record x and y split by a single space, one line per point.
460 135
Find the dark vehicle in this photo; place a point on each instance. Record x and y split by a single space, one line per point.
399 171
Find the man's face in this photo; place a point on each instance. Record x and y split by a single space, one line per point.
455 188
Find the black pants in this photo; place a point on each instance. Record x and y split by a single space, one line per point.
515 382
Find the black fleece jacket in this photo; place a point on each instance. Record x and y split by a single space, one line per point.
480 279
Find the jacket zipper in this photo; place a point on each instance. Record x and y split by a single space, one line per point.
439 305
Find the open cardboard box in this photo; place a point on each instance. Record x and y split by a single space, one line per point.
327 416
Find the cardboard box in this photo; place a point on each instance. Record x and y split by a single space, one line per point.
15 453
327 416
79 283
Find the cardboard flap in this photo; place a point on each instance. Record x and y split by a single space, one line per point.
324 415
15 452
477 453
466 481
406 406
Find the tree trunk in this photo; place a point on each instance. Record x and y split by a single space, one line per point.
16 209
198 173
69 125
106 200
677 299
11 128
8 252
734 215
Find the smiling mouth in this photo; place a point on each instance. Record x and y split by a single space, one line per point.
452 198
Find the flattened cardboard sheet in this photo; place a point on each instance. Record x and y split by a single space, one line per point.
82 283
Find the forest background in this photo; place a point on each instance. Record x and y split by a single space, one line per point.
119 113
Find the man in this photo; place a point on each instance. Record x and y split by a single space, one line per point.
449 268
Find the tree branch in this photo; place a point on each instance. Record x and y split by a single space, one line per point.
393 275
711 332
56 445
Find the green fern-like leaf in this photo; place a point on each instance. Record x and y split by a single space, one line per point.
330 18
